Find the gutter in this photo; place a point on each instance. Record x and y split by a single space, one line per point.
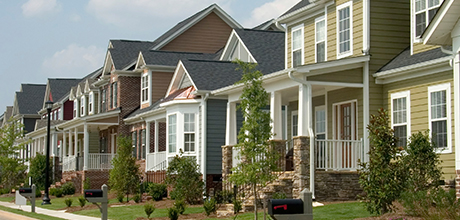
310 133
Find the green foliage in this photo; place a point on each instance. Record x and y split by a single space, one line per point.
185 178
432 204
421 163
56 192
382 177
4 191
149 209
38 193
279 195
210 206
180 206
82 201
12 168
120 197
68 202
224 196
256 169
157 190
237 205
87 183
137 198
125 175
173 213
37 170
68 188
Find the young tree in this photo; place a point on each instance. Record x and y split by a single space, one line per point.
185 178
382 178
258 160
37 170
12 168
125 176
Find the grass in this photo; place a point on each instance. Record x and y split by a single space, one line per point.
134 211
342 211
29 214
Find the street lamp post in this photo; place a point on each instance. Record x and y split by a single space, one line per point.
46 198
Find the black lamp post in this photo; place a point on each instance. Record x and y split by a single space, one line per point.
46 198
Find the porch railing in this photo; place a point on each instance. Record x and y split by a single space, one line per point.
156 161
69 163
339 154
100 161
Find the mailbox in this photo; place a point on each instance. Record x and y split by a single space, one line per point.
95 195
26 192
285 206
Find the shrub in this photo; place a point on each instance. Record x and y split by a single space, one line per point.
68 188
180 206
149 209
82 201
157 191
52 191
237 206
120 197
58 192
37 170
4 191
68 202
224 196
87 183
279 195
433 204
173 213
210 206
137 198
38 193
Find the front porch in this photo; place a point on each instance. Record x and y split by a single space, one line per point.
96 161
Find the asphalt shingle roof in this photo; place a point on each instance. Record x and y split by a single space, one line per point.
298 6
60 87
125 52
170 58
30 100
211 75
406 59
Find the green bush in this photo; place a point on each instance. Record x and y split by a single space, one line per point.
52 191
120 197
4 191
210 206
173 213
433 204
137 198
157 191
68 188
58 193
180 205
82 201
149 209
68 202
224 196
237 206
37 170
87 183
279 195
38 193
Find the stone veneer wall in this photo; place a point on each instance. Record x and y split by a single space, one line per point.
226 166
301 178
457 184
337 185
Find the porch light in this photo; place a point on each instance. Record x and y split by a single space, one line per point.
46 198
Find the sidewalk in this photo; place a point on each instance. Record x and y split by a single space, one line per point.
54 213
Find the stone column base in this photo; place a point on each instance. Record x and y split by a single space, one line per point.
301 178
227 160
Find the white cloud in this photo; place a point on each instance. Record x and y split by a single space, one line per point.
141 14
75 18
73 61
268 11
39 7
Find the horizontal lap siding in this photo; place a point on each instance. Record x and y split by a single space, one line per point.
160 83
419 109
215 137
347 76
419 47
342 95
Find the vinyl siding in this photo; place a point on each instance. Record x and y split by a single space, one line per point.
215 136
347 76
94 142
160 83
419 109
419 47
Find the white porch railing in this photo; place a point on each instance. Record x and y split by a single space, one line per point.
339 154
69 163
156 161
99 161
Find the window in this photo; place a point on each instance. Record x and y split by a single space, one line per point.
297 46
134 138
344 30
58 114
400 110
320 123
90 102
439 110
114 95
189 132
103 100
143 143
424 12
82 106
172 133
295 124
145 87
320 39
75 108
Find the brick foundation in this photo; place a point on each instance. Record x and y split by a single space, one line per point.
213 183
155 176
97 178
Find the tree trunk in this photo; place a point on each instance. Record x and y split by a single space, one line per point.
255 200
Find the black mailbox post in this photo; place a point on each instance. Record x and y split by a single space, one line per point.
285 206
29 193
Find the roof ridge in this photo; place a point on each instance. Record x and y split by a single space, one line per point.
255 30
214 61
183 52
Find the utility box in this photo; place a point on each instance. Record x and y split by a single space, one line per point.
292 209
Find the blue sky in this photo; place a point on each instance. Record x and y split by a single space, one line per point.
42 39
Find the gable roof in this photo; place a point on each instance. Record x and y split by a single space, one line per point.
406 59
170 58
439 29
30 98
184 25
59 87
124 52
296 7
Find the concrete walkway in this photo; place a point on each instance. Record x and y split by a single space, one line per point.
54 213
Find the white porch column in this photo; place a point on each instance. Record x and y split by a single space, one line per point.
230 132
275 115
85 147
71 151
53 146
75 144
456 66
64 144
157 127
305 108
147 144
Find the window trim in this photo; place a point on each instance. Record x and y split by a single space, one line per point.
190 132
91 103
145 87
437 88
294 29
398 95
426 12
294 113
317 20
75 108
114 94
83 106
350 52
172 136
317 109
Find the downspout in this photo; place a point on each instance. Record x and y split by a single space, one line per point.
366 27
310 133
449 52
366 90
203 123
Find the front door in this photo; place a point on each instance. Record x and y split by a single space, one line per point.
345 115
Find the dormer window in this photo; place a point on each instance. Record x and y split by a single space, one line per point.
297 46
145 88
82 106
344 30
90 103
75 108
424 12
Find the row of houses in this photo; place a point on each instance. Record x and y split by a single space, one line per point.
328 65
